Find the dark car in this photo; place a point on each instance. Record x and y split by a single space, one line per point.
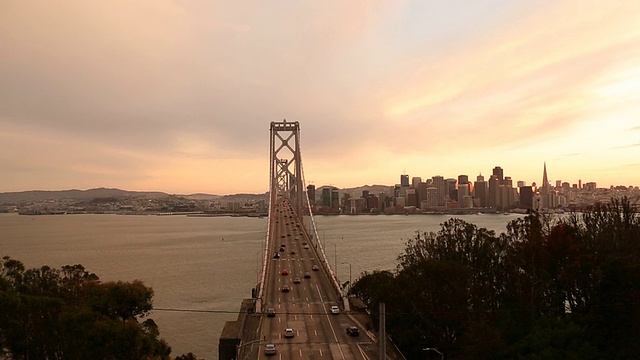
285 288
307 275
276 256
353 331
271 313
270 349
282 249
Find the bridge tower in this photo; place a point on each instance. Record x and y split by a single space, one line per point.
286 166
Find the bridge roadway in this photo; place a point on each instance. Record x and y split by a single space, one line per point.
305 308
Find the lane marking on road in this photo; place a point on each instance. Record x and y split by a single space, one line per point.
300 352
320 352
315 332
364 355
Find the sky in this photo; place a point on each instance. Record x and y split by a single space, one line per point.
177 96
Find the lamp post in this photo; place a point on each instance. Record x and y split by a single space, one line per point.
346 263
436 350
335 256
258 266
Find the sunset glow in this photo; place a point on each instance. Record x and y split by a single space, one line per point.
178 96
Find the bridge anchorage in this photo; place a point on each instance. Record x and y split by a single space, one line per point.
298 308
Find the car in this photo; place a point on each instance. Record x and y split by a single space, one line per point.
284 272
306 246
307 275
283 236
293 252
296 280
271 312
285 288
283 245
276 256
282 249
289 333
296 237
304 243
353 331
270 349
335 309
315 268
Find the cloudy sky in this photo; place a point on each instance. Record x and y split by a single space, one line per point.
177 96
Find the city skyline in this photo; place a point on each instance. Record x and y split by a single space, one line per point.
178 97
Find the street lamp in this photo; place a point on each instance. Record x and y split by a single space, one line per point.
346 263
335 256
436 350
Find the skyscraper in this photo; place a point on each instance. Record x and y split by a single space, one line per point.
499 173
438 183
544 188
404 180
480 190
463 179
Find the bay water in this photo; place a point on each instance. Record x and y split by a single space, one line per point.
201 268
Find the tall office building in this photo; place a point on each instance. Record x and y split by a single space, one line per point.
499 173
463 179
450 189
438 183
544 189
526 197
494 194
463 195
480 191
421 193
404 180
415 181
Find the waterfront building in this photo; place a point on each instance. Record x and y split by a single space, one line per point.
411 198
432 198
438 183
480 191
526 197
463 195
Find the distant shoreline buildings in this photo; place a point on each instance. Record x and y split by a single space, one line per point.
459 195
435 195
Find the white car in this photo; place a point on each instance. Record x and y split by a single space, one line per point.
335 310
289 333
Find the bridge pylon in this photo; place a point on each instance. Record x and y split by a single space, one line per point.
286 165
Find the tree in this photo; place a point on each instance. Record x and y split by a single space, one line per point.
47 313
545 288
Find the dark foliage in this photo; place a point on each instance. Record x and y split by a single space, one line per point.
561 288
47 313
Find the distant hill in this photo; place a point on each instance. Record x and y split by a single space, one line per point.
44 195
